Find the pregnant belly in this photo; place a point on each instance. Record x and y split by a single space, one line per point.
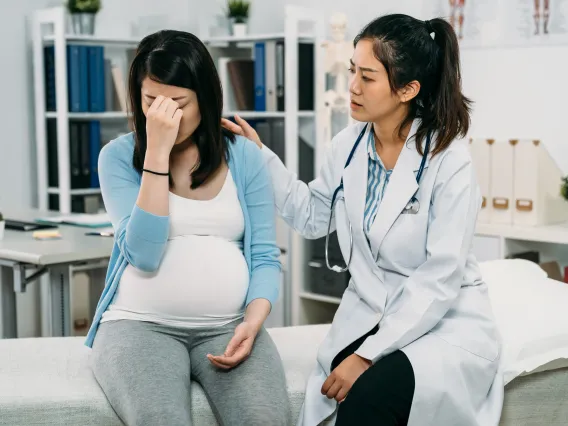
199 277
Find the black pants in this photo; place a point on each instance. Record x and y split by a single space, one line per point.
382 395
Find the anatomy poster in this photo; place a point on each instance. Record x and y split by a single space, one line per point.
536 21
476 22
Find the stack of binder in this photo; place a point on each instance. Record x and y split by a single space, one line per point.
520 183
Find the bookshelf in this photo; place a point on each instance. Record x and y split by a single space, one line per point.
49 28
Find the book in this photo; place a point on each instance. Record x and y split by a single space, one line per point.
98 220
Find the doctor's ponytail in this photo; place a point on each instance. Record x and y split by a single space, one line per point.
427 52
449 110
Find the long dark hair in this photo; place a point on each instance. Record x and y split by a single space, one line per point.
405 47
180 59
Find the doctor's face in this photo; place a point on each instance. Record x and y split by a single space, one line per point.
371 94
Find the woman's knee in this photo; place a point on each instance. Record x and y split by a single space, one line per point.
266 414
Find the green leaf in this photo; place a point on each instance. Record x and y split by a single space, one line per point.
84 6
238 9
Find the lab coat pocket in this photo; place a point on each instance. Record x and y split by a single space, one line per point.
405 244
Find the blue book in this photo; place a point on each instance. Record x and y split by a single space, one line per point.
96 68
259 78
94 150
78 78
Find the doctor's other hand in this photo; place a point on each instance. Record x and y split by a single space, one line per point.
241 127
162 125
342 378
238 349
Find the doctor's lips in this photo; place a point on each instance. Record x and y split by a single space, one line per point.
355 105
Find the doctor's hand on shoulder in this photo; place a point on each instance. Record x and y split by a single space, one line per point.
241 127
342 378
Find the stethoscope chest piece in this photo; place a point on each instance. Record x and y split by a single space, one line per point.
412 207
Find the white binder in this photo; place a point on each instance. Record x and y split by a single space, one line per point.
502 182
537 186
481 157
270 74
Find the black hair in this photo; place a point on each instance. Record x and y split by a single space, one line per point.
428 52
180 59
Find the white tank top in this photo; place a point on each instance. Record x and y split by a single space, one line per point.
203 278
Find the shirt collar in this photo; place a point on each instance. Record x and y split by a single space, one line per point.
371 149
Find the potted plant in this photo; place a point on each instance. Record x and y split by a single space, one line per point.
564 188
83 14
2 226
237 12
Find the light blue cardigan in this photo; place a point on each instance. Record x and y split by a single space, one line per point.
141 237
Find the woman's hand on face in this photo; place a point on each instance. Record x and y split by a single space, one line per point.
241 127
162 125
238 349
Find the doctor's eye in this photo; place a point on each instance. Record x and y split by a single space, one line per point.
351 70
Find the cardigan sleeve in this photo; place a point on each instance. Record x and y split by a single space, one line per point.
265 254
141 236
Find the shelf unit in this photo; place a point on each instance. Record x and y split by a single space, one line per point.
49 27
491 242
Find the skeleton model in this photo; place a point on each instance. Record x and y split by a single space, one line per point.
545 15
457 16
338 53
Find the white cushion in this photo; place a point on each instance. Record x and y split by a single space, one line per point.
531 312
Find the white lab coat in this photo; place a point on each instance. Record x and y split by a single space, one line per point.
424 290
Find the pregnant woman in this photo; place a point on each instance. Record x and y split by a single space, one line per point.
195 266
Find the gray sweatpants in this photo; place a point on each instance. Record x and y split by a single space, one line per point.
145 369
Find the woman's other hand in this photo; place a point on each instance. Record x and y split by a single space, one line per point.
238 349
241 127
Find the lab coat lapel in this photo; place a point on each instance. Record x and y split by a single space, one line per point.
355 184
399 191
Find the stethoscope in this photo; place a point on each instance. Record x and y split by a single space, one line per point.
412 207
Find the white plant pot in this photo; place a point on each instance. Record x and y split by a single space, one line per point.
2 226
239 30
83 23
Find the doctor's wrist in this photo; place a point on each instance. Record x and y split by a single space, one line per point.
365 361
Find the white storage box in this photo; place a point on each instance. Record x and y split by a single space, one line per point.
537 182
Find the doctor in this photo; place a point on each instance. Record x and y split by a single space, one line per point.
413 340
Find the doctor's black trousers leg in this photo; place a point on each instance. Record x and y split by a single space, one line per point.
382 395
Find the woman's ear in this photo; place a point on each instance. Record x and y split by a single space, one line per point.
409 92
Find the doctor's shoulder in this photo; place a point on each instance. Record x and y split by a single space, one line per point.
455 156
453 162
342 143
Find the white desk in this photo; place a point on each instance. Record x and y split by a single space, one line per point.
23 260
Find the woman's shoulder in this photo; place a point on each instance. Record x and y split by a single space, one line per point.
118 151
245 152
122 146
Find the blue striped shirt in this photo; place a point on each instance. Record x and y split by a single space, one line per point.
377 179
